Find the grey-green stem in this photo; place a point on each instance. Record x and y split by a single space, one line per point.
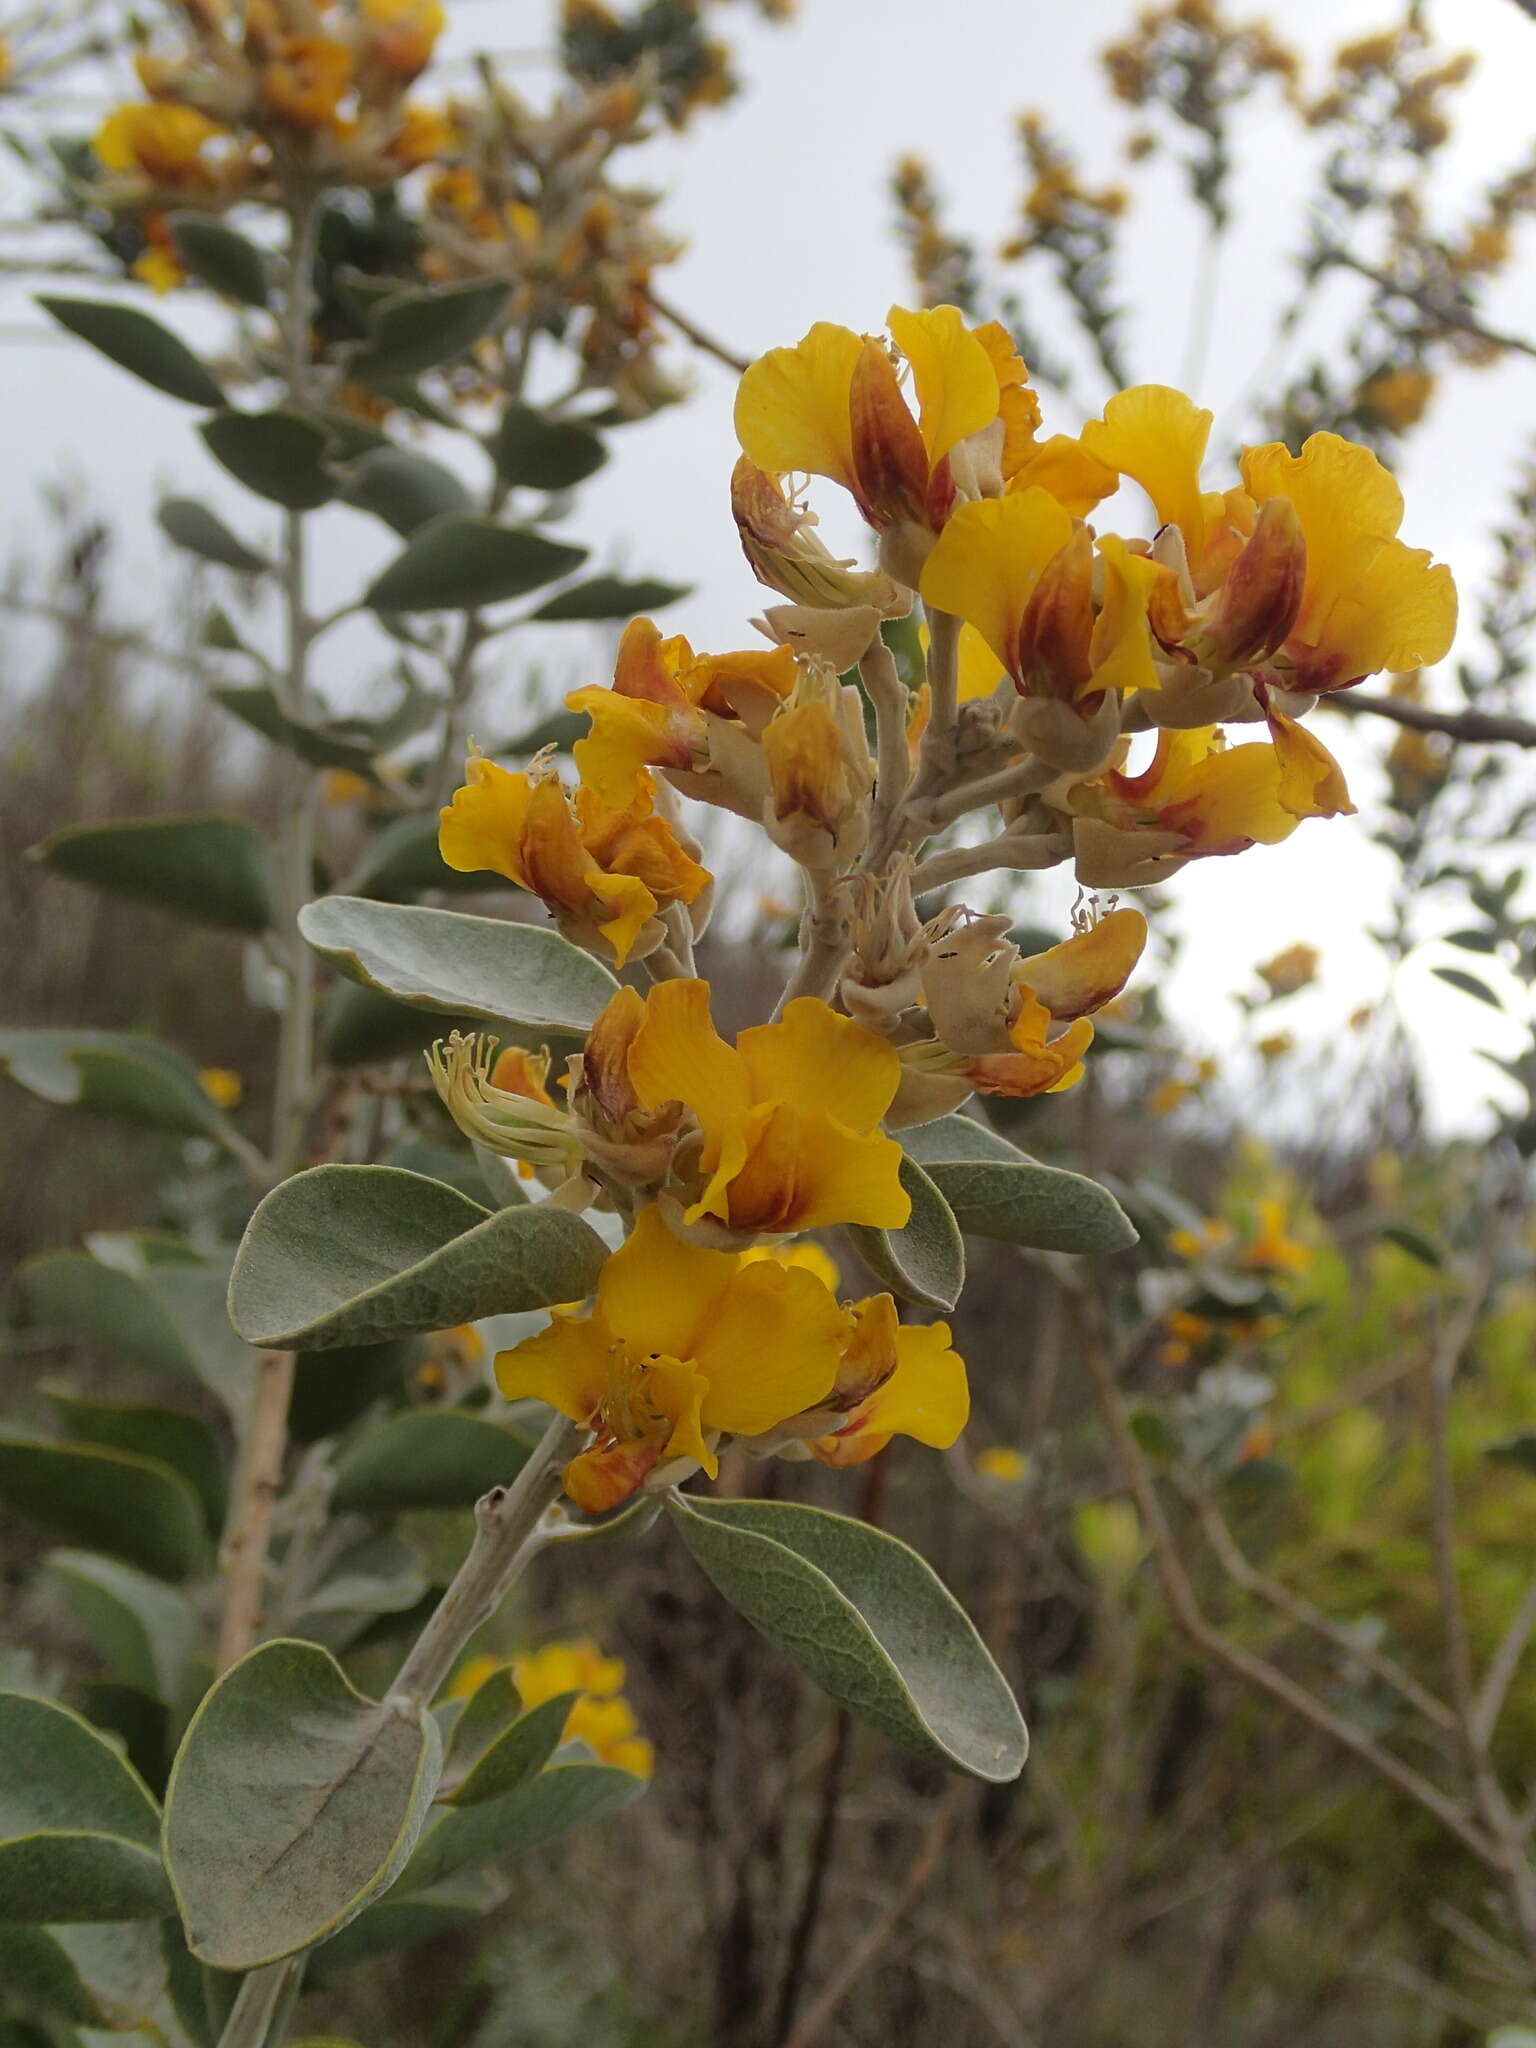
258 2002
505 1520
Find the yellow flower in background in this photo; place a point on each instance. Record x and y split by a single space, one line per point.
577 1665
305 79
788 1116
810 1257
1195 1244
1271 1248
159 142
1002 1463
682 1345
1369 601
1290 970
223 1085
403 34
606 869
601 1718
894 1379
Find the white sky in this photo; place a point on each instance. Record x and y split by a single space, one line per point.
782 200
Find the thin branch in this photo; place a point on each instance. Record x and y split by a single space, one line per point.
1247 1575
1493 727
1258 1672
691 331
828 1806
866 1952
1503 1665
1431 307
249 1530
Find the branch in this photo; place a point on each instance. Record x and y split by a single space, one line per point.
1493 727
1255 1671
1238 1568
690 331
1431 307
250 1523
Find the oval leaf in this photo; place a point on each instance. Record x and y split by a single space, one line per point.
925 1260
220 257
131 1507
427 1458
145 1632
113 1073
361 1254
209 868
868 1621
402 860
545 455
404 489
79 1832
105 1976
459 562
192 526
610 597
292 1802
515 1755
172 1436
483 967
411 331
278 455
256 705
995 1190
540 1811
139 345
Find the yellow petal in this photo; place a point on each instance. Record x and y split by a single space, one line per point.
482 827
1076 479
770 1349
1343 497
565 1366
1121 649
1399 612
818 1060
842 1177
677 1389
1311 783
926 1397
987 561
1086 972
657 1293
625 907
952 374
980 672
626 738
792 405
1157 436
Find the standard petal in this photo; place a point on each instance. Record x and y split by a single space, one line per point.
792 405
656 1293
952 374
1157 436
565 1366
770 1349
482 827
820 1061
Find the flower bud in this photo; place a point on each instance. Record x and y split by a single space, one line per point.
819 774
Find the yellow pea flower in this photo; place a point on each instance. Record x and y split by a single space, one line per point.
304 81
1001 1462
656 714
1290 970
574 1665
683 1344
1271 1248
1204 797
788 1116
162 143
403 34
1022 572
833 406
1369 601
1086 971
223 1085
894 1379
600 868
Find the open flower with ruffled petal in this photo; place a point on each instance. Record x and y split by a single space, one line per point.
682 1345
787 1118
605 871
894 1379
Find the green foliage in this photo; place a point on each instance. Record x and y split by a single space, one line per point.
209 868
367 1254
403 488
427 1458
996 1191
278 455
868 1620
412 331
190 525
132 1507
139 345
544 454
609 597
924 1261
286 1763
213 251
465 966
458 562
114 1073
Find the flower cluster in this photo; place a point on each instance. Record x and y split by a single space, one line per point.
1050 645
600 1717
